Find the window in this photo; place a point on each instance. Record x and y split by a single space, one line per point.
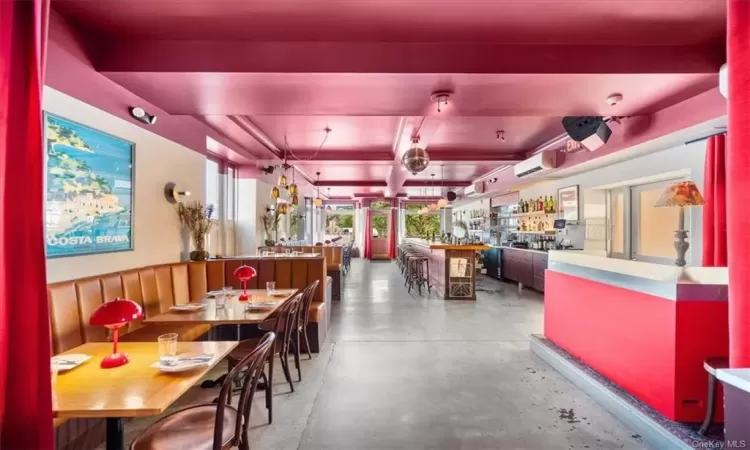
212 183
340 222
640 231
421 225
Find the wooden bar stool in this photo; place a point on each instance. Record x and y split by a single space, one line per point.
711 365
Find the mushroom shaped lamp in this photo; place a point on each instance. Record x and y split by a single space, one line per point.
244 274
114 315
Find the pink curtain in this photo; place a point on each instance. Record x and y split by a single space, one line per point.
368 234
715 209
25 394
392 233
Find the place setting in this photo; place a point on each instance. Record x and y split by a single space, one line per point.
171 362
63 363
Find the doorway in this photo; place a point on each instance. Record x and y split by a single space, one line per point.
379 229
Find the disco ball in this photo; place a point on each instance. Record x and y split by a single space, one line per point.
416 160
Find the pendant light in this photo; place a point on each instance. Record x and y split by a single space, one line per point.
293 191
433 206
328 207
318 202
443 202
275 193
416 158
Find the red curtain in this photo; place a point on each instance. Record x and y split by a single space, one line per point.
715 209
25 394
738 181
368 234
392 233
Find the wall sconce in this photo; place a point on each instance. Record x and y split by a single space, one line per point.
141 115
172 194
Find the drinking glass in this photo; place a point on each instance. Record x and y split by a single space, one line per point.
168 349
221 300
288 252
270 287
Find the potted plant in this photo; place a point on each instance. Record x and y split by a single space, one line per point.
196 218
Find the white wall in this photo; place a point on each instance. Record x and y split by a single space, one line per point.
253 196
684 158
157 237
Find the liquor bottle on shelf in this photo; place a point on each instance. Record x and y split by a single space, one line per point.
551 204
540 204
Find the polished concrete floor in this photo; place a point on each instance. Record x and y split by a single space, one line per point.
404 372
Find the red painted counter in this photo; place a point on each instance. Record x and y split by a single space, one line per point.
645 330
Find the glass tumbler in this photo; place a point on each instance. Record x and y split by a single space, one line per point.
168 349
270 288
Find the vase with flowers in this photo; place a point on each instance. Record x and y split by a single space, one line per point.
197 218
270 221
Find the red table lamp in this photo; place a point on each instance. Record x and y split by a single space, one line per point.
114 315
244 273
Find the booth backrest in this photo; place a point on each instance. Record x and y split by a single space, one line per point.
157 288
333 255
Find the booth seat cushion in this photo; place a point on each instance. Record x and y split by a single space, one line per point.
317 311
149 333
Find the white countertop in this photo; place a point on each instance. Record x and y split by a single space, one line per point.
656 272
739 378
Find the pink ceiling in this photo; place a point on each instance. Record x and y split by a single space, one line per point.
408 94
265 72
615 22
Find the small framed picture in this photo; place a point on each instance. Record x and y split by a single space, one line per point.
568 202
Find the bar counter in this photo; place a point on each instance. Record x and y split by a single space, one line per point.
646 327
452 268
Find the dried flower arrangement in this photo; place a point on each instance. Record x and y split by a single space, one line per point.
197 219
270 222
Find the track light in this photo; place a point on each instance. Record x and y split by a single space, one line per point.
141 115
500 135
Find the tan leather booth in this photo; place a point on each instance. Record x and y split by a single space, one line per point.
334 260
156 289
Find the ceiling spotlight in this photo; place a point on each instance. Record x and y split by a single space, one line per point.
492 180
267 170
500 135
614 99
441 98
141 115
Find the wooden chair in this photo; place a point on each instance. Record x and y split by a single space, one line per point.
216 425
285 319
303 317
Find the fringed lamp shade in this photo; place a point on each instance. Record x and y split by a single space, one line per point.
114 315
683 193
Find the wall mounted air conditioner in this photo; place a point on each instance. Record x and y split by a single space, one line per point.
539 163
474 190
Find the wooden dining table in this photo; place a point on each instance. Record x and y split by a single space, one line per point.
234 311
133 390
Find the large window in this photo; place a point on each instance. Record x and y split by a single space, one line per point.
221 192
340 222
421 225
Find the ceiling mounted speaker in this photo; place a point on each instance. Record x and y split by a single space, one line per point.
450 195
592 132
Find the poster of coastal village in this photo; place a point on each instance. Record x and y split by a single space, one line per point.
89 190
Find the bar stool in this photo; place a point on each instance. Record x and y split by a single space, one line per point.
711 365
419 272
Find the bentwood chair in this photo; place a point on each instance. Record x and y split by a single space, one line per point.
216 425
303 317
285 319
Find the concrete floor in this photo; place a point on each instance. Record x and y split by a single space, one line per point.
410 372
407 372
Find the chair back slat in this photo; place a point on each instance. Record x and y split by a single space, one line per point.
252 367
307 297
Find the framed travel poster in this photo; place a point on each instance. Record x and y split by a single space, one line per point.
89 190
568 203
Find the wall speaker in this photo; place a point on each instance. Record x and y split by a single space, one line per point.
592 132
